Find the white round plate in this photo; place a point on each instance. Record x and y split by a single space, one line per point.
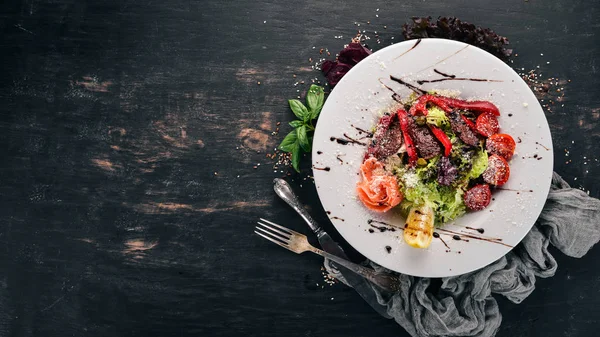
359 100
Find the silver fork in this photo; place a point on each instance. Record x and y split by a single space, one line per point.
298 243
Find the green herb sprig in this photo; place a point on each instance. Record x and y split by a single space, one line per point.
300 138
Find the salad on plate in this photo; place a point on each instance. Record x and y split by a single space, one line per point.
434 157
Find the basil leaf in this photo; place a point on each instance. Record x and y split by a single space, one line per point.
289 142
299 109
315 97
296 123
296 158
303 138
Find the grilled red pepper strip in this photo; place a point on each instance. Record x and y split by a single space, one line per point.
420 104
441 136
477 106
447 103
469 123
410 146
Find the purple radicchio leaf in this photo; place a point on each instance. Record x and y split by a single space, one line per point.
348 58
454 29
447 173
354 53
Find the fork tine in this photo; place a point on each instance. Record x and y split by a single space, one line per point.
279 226
273 240
282 233
273 235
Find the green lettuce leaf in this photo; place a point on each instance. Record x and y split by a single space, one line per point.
437 117
446 202
480 162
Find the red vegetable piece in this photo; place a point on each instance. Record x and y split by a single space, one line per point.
478 197
420 105
477 106
443 138
469 122
487 124
410 146
501 144
497 171
448 103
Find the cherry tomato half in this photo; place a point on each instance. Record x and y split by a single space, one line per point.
501 144
497 172
487 124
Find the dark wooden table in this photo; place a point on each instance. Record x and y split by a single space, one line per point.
131 136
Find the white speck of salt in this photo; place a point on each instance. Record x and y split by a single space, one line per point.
525 105
265 21
410 179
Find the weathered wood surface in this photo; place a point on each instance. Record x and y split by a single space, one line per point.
129 133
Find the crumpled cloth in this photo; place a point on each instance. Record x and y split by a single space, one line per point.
463 305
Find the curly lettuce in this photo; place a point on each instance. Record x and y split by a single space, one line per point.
437 117
447 202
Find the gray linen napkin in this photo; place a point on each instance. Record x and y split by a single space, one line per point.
463 305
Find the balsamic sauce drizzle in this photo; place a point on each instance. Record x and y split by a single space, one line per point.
384 228
448 77
346 140
369 134
444 59
461 236
395 95
480 230
513 190
411 48
545 147
437 236
458 236
326 168
408 85
444 74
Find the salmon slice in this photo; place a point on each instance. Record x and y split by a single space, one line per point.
377 190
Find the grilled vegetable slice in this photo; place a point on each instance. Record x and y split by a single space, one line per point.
418 230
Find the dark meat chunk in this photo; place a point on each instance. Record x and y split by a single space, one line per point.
464 132
425 142
387 138
447 173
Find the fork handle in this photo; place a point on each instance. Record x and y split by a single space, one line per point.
383 280
285 192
